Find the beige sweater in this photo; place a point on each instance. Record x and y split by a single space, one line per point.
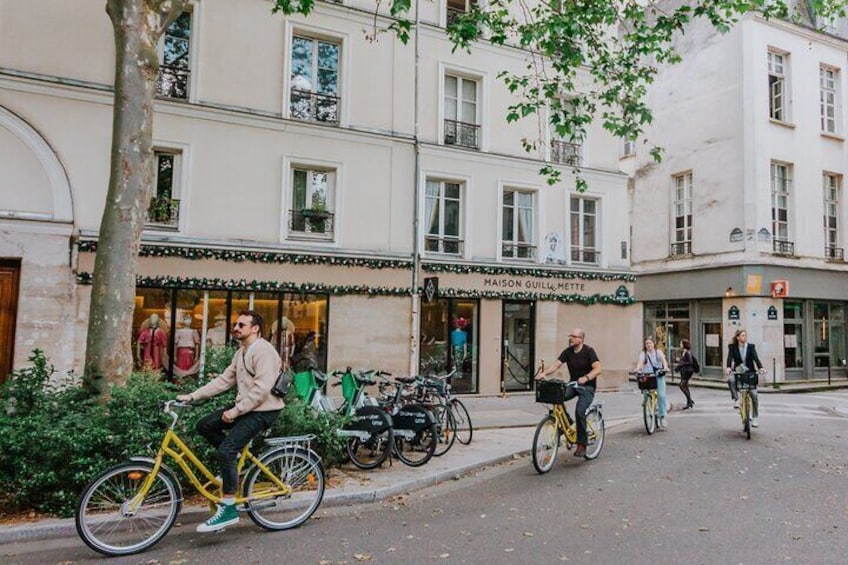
254 393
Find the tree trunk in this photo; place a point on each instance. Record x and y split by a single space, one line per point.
137 26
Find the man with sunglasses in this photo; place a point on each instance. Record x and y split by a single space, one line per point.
254 371
583 367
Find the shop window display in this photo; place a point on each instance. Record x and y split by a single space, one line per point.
151 323
449 341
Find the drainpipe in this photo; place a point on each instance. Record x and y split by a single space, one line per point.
415 318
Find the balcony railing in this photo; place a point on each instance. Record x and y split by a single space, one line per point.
512 250
463 134
834 254
314 106
566 153
172 82
314 223
163 213
782 247
446 245
679 248
585 255
453 14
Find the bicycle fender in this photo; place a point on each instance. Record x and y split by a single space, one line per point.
370 419
414 417
163 468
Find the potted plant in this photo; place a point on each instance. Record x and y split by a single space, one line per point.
317 215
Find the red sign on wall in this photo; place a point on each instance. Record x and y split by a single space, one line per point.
780 289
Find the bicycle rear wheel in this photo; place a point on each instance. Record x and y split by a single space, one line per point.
462 419
302 471
370 453
596 431
649 413
416 451
106 522
748 409
545 444
447 429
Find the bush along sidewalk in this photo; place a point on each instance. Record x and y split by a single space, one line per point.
55 438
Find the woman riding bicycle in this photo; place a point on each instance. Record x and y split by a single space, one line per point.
742 358
652 362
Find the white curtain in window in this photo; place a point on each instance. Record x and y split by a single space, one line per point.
431 207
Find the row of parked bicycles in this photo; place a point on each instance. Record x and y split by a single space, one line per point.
410 418
131 506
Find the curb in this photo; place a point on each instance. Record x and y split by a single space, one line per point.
66 527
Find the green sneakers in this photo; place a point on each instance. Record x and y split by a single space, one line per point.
227 515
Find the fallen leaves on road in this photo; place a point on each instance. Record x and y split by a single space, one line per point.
362 556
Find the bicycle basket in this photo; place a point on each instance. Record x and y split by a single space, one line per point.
349 387
551 392
304 384
747 380
647 382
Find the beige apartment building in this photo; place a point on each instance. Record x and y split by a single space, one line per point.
315 176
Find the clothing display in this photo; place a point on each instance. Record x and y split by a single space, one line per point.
186 342
153 342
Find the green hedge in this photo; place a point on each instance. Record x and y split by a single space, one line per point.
54 438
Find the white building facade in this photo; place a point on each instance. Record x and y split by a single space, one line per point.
742 224
319 178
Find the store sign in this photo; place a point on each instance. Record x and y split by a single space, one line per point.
431 288
772 313
621 293
780 289
538 285
733 313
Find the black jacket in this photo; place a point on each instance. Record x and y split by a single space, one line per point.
734 357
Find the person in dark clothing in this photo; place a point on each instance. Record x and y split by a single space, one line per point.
686 368
742 358
584 368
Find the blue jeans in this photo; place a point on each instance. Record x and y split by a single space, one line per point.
663 399
229 446
584 395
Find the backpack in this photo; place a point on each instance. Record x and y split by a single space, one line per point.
696 367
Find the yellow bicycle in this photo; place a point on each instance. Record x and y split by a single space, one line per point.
650 399
744 382
131 506
559 424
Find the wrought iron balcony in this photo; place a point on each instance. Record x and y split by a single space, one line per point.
447 245
512 250
172 82
163 213
679 248
566 153
453 14
314 223
782 247
463 134
834 254
314 106
585 255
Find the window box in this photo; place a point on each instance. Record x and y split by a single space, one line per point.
163 212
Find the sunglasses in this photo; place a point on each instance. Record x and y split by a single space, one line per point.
577 336
241 325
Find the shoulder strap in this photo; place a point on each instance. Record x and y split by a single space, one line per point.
243 362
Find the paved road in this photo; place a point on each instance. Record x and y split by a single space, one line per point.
697 493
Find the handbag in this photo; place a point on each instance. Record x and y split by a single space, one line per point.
281 385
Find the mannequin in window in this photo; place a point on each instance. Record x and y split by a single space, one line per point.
152 346
285 331
459 341
306 355
187 344
217 335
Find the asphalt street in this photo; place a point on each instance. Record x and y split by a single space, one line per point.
696 493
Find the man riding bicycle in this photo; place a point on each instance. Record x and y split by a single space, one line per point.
254 371
584 368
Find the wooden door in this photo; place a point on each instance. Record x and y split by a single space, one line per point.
10 274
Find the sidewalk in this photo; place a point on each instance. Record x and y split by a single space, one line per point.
503 430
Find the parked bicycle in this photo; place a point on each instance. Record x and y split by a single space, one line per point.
452 417
130 507
745 383
559 424
650 399
415 428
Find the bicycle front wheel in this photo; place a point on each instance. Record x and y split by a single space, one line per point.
649 413
596 431
108 521
462 420
748 410
299 469
545 444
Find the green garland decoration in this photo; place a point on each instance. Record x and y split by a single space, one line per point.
464 269
267 257
194 283
549 296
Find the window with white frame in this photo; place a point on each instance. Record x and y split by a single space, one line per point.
628 147
777 78
312 197
781 183
443 217
566 149
832 193
584 230
828 85
314 91
518 230
174 58
681 240
461 111
164 209
456 8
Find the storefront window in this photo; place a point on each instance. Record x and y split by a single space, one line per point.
151 329
668 323
305 318
449 341
793 335
828 334
189 324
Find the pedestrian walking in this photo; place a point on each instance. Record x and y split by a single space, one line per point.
652 362
686 368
